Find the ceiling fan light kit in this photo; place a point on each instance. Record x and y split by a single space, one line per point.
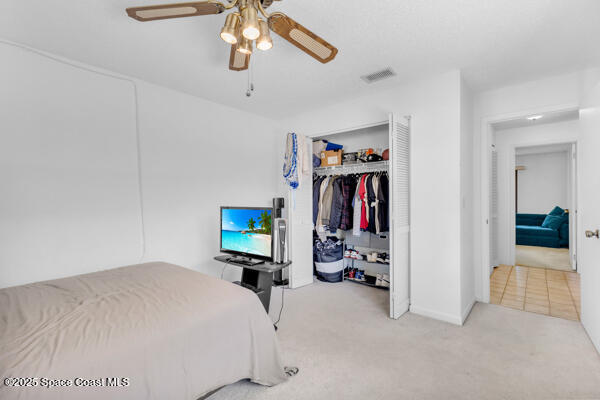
229 33
250 22
243 27
245 46
264 41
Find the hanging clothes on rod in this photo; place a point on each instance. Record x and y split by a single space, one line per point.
383 194
348 186
357 202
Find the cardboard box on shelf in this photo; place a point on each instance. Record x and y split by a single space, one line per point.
330 158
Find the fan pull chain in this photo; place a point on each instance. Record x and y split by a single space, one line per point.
250 78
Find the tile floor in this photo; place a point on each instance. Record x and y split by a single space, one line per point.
538 290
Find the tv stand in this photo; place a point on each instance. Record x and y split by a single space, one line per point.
256 277
245 261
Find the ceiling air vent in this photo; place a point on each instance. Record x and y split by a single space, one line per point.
378 76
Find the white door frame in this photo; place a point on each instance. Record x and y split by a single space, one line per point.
394 313
512 153
485 167
573 214
297 226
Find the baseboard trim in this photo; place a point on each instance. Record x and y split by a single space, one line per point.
467 311
453 319
301 282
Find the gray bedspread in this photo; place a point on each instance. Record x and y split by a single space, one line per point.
148 331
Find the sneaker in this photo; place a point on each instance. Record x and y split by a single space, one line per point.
347 254
385 280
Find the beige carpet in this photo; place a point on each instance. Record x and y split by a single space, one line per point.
545 257
347 348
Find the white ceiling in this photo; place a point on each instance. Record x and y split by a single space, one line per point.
494 42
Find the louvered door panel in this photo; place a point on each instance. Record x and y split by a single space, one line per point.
494 211
400 215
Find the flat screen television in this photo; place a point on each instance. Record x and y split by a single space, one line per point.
246 232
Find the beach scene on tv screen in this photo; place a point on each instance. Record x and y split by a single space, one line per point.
246 231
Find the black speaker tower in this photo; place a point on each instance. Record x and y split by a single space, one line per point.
278 205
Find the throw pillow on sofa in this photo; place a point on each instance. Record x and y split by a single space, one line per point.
553 222
556 211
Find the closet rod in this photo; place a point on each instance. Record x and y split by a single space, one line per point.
353 168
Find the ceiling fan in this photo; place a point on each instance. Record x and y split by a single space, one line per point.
243 27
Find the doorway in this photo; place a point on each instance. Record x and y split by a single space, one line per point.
530 263
545 197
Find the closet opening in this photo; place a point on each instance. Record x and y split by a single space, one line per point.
350 208
360 212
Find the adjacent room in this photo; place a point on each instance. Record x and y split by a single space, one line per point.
283 199
535 163
543 189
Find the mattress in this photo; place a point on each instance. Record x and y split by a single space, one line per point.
147 331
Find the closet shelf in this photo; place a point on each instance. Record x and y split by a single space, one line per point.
365 283
367 262
358 168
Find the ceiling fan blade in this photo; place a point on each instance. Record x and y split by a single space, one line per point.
237 60
178 10
302 38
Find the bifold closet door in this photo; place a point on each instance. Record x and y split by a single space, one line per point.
299 208
399 140
493 222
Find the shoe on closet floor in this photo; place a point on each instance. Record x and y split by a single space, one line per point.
385 280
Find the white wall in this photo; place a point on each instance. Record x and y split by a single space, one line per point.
68 167
373 137
69 170
434 106
544 183
196 157
506 141
555 93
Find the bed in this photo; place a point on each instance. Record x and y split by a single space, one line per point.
147 331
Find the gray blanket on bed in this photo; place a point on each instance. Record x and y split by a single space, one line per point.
148 331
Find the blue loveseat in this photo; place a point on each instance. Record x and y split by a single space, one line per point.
531 233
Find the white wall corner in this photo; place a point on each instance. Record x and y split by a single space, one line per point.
298 283
446 317
467 310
